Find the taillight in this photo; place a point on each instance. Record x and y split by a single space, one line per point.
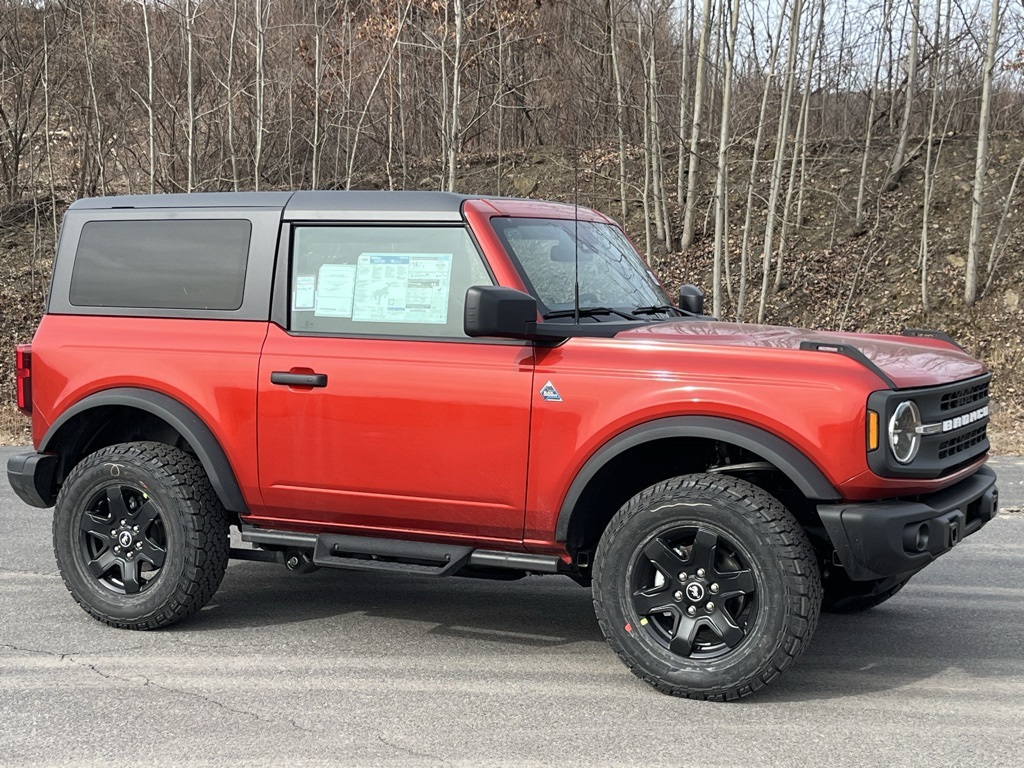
23 376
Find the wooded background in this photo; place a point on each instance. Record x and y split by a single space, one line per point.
705 121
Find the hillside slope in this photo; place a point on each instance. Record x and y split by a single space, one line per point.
832 278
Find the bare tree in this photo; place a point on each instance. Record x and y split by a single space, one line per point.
981 161
696 127
781 138
869 123
721 183
899 160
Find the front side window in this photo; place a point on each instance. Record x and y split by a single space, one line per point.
550 253
383 280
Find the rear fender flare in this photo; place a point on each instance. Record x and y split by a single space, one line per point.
192 428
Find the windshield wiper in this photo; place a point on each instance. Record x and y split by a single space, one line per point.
589 312
658 309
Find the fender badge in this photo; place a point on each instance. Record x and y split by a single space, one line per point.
549 393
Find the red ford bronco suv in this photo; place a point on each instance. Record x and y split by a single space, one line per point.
435 384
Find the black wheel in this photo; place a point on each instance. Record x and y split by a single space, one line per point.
843 595
706 587
140 537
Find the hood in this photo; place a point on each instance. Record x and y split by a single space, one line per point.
907 361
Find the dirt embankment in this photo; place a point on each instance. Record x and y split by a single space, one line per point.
833 278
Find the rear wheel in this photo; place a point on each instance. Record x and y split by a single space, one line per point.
140 536
706 587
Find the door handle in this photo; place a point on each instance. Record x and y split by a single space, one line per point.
289 379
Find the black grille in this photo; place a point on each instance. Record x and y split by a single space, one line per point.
963 442
963 397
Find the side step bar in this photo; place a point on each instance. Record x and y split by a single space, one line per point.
362 553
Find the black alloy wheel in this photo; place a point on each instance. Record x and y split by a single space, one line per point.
694 592
122 539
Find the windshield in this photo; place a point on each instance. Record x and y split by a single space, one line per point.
611 273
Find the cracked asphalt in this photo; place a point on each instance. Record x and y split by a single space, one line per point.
357 669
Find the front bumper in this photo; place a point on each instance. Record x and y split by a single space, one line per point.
31 476
877 540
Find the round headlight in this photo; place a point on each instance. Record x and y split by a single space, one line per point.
904 438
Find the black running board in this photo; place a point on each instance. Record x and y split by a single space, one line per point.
361 553
357 553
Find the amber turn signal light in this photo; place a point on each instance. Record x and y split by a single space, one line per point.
872 431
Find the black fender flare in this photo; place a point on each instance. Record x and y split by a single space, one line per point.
790 461
192 428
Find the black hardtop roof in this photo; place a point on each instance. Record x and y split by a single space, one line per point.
304 204
311 205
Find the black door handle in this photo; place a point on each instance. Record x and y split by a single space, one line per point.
289 379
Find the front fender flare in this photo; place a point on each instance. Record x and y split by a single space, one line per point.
192 428
789 460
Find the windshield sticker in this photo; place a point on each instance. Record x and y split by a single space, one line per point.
336 286
305 292
402 288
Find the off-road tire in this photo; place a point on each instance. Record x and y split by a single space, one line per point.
193 529
767 543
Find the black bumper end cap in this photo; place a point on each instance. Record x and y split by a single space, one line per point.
31 475
878 540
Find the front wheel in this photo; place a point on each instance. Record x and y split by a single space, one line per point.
706 587
140 536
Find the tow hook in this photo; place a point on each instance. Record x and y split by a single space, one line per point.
299 561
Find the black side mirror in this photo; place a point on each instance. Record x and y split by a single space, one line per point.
492 310
691 299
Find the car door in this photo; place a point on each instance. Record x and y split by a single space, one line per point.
375 411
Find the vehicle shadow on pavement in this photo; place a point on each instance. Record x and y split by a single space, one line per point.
535 611
902 644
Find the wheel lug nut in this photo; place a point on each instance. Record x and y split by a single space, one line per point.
124 522
714 589
710 607
135 528
130 554
682 577
113 533
700 572
117 549
138 545
678 596
691 611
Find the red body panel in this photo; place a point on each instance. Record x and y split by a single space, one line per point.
453 440
908 363
419 436
208 365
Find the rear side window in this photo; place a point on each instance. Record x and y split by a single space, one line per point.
170 264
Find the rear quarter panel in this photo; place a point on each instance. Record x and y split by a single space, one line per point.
211 366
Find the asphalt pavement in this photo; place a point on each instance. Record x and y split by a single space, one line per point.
361 669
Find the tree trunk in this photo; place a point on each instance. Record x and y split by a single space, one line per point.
721 186
780 152
981 160
684 97
620 107
799 149
899 160
858 227
762 115
695 129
